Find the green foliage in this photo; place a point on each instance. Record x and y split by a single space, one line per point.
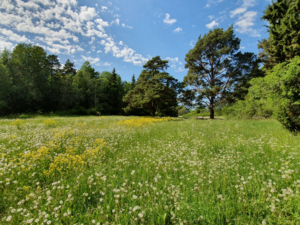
5 88
133 81
276 95
215 67
155 90
284 86
264 54
69 68
283 17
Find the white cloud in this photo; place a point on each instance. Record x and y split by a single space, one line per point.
96 5
28 5
5 44
106 64
99 51
211 17
173 60
178 29
87 13
245 22
237 11
6 5
167 20
91 42
13 36
116 15
180 69
128 54
103 7
173 66
249 3
123 24
212 24
192 43
58 25
90 59
242 47
67 2
109 3
53 25
117 21
212 2
101 24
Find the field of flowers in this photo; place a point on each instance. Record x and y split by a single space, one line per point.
131 170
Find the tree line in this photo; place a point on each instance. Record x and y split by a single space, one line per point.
219 77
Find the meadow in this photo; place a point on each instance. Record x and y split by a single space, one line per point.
133 170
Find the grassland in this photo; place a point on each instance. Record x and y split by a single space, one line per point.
107 170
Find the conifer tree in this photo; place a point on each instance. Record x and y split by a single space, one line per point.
133 82
215 65
155 90
284 19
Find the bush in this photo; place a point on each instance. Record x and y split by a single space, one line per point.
79 110
92 112
24 116
285 85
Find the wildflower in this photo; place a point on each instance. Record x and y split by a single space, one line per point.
134 196
8 218
132 172
140 215
93 221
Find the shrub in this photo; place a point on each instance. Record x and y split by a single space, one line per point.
79 110
24 116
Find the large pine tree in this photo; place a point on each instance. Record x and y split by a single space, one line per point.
284 19
155 90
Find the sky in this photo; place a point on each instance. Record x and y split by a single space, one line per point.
125 34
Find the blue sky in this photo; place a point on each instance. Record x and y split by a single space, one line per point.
126 33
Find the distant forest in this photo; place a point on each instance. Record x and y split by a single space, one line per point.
219 77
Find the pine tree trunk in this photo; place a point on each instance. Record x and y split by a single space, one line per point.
153 109
212 113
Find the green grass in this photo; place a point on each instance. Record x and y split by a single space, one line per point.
173 172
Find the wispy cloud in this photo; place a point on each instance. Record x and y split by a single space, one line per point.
210 2
212 24
167 20
90 59
178 29
238 11
245 23
246 19
173 60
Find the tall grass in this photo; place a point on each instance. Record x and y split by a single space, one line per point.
169 172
